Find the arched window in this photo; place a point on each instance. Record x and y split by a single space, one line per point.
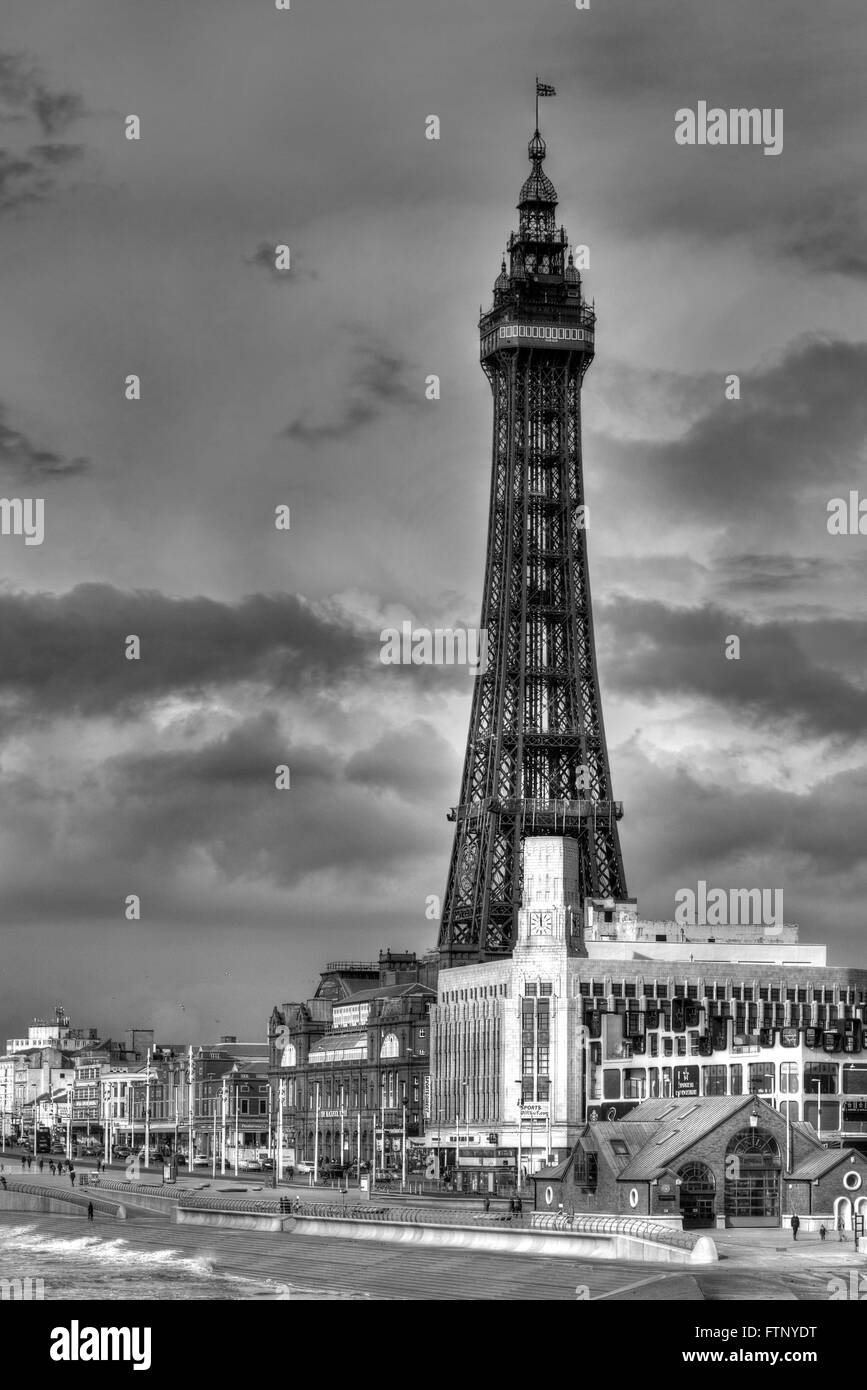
289 1057
752 1178
390 1046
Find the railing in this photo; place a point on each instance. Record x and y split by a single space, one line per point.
642 1229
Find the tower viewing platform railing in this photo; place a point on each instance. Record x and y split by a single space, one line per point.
558 811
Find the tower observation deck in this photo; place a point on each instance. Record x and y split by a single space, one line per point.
536 760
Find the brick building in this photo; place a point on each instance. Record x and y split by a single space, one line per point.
720 1161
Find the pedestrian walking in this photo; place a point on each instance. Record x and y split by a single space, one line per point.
841 1227
512 1207
23 1162
41 1164
72 1177
796 1222
3 1183
519 1207
29 1162
822 1232
90 1211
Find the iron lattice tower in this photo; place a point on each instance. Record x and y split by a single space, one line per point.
536 760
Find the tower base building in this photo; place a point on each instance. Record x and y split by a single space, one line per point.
597 1011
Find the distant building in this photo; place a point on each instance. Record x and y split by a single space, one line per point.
354 1059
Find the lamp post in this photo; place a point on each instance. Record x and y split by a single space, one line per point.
403 1151
818 1084
518 1175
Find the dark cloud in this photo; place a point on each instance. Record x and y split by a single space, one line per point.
56 111
787 674
66 652
29 101
799 424
831 238
378 381
414 762
24 461
679 827
57 155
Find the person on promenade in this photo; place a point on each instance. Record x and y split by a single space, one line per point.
72 1176
41 1164
3 1183
486 1204
841 1227
796 1222
822 1232
29 1162
23 1162
90 1211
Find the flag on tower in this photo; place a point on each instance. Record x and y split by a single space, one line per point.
544 89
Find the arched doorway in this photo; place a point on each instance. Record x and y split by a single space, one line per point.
697 1195
752 1179
843 1207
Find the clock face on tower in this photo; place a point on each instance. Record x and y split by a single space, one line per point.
541 923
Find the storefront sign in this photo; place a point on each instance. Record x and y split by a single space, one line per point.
686 1081
533 1110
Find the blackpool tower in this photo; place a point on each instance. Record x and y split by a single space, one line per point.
536 760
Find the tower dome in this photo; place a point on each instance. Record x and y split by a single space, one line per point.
537 188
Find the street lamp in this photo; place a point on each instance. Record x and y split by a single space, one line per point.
754 1113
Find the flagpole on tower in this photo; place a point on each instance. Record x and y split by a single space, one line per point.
537 101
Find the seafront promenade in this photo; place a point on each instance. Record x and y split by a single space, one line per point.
764 1264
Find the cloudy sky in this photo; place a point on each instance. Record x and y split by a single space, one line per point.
260 647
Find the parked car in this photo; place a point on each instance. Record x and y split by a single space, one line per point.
302 1166
121 1151
267 1165
58 1149
250 1165
201 1161
386 1175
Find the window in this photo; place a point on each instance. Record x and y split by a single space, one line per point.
619 1146
854 1080
611 1084
714 1080
390 1046
634 1084
530 987
821 1077
288 1058
762 1077
737 1086
654 1044
789 1077
546 989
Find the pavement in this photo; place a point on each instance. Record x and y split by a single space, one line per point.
764 1264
